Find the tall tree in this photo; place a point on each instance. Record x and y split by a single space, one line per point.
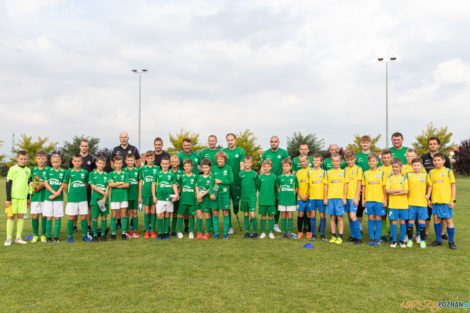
356 144
462 158
177 141
247 141
421 143
73 147
314 143
31 146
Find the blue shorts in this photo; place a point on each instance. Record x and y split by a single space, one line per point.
303 206
375 208
317 204
420 212
442 210
398 214
335 207
350 206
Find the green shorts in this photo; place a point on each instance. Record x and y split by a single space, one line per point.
235 192
248 206
132 204
267 210
221 202
19 206
96 212
204 207
147 201
187 209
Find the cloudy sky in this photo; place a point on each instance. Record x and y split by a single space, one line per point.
274 67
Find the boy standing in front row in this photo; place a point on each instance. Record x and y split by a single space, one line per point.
175 169
118 182
354 176
317 179
203 199
38 175
98 181
441 197
248 181
132 194
187 199
267 198
302 196
418 205
147 175
287 188
388 171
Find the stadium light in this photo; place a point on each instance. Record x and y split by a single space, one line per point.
391 59
144 70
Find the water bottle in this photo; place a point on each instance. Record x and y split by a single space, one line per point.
101 205
141 207
215 189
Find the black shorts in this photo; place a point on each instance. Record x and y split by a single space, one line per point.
360 210
429 214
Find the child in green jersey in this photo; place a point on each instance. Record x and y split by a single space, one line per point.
202 196
17 194
132 195
188 198
147 175
267 198
248 179
38 175
175 169
287 188
118 182
75 183
98 181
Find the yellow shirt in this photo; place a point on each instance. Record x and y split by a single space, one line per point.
302 177
407 168
374 181
336 180
388 170
417 184
441 180
316 181
353 174
397 183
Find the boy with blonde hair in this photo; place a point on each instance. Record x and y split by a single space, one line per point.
38 175
354 176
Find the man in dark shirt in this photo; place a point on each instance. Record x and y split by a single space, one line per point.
159 152
125 148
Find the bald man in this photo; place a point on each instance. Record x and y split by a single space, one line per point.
327 165
125 148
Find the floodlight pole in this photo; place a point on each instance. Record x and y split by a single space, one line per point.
140 102
386 97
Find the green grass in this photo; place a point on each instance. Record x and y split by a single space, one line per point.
237 275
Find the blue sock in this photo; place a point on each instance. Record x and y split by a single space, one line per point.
417 228
370 225
352 228
438 230
322 226
378 229
313 226
451 232
394 232
403 232
357 228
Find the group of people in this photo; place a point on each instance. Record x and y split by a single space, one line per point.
178 193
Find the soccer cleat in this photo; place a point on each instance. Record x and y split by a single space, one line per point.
95 239
444 237
313 238
323 238
409 244
226 236
418 239
191 235
333 239
135 235
173 234
35 239
271 235
292 236
350 239
393 245
216 236
205 236
383 239
422 244
300 235
262 236
425 236
231 231
43 238
255 236
124 237
103 238
167 237
118 225
7 242
75 229
283 235
86 239
339 241
402 244
186 230
128 234
153 234
113 237
147 234
452 245
199 236
48 240
435 243
70 240
247 235
56 240
309 235
277 229
358 242
160 237
20 241
180 235
376 243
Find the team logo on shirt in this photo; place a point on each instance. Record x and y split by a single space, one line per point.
122 177
192 181
443 174
236 155
278 156
77 184
164 184
89 162
340 174
82 175
225 172
377 175
169 176
154 170
421 179
286 188
187 189
400 181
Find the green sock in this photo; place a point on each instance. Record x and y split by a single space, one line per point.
35 223
153 219
69 228
94 227
104 226
199 225
215 224
84 225
160 223
191 224
147 222
113 226
226 224
125 223
271 225
174 220
43 225
263 225
283 224
180 224
167 225
49 228
254 223
246 222
290 223
19 227
208 225
57 224
135 223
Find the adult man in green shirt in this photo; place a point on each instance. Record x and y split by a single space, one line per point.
188 154
276 155
327 165
398 150
211 151
303 150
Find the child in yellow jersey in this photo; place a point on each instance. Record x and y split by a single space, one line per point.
303 204
387 169
374 198
417 183
397 191
316 186
410 155
441 184
354 181
335 198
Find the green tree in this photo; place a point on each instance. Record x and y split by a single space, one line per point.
73 147
314 143
247 141
421 144
356 144
27 144
177 141
2 156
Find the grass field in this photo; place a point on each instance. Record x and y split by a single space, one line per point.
236 275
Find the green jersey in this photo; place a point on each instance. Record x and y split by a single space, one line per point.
327 165
296 164
209 154
40 176
118 194
20 178
203 184
165 182
267 189
147 175
76 181
225 174
178 174
400 154
192 156
55 179
361 161
287 186
100 181
248 185
234 157
276 158
133 190
188 192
